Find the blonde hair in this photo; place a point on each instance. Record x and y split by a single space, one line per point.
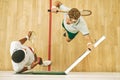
74 13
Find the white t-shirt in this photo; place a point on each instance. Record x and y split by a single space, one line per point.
80 25
29 56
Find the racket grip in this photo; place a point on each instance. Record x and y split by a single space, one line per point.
49 10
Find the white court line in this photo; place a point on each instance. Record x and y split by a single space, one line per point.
83 56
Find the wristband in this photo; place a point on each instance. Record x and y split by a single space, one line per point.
54 7
28 67
27 37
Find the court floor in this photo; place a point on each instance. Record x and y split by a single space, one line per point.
10 75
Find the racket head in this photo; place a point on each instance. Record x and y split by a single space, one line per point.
33 37
86 12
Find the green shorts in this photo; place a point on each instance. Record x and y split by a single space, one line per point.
70 35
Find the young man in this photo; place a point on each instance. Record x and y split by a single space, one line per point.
23 57
73 23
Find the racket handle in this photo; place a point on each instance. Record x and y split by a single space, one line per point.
51 10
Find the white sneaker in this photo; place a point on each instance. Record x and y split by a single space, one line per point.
46 63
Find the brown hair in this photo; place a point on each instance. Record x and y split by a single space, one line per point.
74 13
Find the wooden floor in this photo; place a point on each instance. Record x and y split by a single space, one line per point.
9 75
17 17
